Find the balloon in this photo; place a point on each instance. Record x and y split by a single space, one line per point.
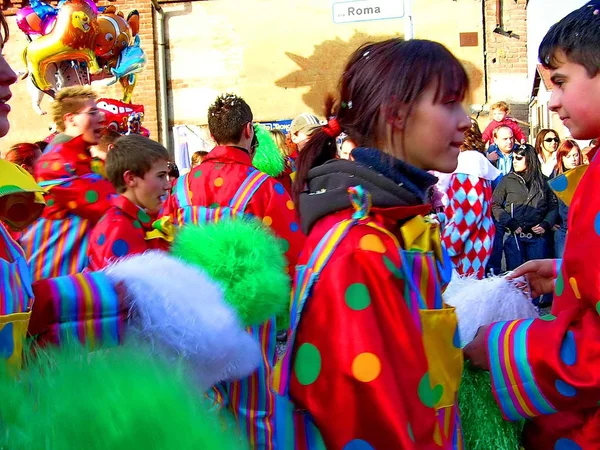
28 21
114 34
71 38
131 60
43 10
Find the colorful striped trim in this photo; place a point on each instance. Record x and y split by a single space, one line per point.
449 423
56 248
49 184
513 383
88 308
182 191
16 295
202 215
244 194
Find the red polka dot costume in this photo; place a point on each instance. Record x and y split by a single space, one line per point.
122 231
215 183
77 197
548 369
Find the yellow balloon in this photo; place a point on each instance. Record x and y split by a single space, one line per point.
72 38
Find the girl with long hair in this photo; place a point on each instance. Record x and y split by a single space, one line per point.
524 205
546 144
469 232
568 157
364 353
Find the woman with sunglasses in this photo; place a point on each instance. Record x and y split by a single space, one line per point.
546 144
526 207
568 157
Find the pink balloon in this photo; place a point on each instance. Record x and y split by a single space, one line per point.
47 24
22 15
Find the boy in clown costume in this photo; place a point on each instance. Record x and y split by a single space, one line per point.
546 369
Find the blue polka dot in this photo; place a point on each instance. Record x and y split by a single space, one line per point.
566 444
597 224
101 239
294 227
279 188
568 349
456 338
560 183
120 248
7 342
565 389
358 444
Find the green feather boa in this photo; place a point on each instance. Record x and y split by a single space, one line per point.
268 159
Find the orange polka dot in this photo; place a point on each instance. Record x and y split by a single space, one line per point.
268 221
218 182
366 367
290 205
371 242
82 156
56 165
573 283
72 204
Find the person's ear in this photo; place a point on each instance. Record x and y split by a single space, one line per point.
110 147
68 119
129 178
248 130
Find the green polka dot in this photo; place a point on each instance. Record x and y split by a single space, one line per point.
50 202
45 165
91 196
429 397
198 174
410 433
215 205
143 216
357 296
285 245
137 224
598 307
391 267
560 285
307 365
548 317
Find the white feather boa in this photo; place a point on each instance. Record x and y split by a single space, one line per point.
181 311
482 302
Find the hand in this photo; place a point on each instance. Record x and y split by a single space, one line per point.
493 157
538 230
556 227
539 273
475 351
519 230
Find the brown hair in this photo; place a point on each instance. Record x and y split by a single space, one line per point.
227 117
197 157
539 141
379 79
24 155
563 150
4 30
108 136
69 100
502 106
134 153
473 139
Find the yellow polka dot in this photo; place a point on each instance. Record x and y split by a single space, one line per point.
573 283
366 367
267 221
72 204
218 182
372 243
82 156
56 165
290 205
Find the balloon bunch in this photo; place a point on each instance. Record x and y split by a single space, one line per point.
76 39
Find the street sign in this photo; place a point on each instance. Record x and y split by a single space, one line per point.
364 10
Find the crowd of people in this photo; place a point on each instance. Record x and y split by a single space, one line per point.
375 210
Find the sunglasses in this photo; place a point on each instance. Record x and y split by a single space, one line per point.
552 140
519 157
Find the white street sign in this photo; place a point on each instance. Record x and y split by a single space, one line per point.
363 10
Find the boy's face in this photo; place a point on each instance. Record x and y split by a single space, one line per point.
575 98
498 115
87 121
149 189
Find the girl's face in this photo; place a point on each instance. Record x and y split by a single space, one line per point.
7 78
519 163
571 160
431 137
550 142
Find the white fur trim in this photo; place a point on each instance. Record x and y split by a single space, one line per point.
472 162
482 302
181 311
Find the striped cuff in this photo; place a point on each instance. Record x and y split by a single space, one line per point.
513 383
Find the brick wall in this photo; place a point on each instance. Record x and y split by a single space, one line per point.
27 126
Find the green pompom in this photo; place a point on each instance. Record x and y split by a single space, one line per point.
268 158
119 399
246 259
482 422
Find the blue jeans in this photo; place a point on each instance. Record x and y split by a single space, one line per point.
560 236
526 250
495 262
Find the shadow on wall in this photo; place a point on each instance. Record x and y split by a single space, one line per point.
321 71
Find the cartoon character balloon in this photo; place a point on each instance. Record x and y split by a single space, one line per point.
72 38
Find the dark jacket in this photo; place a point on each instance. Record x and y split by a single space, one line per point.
514 205
563 214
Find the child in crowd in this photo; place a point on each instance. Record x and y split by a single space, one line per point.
198 157
500 114
137 168
107 139
547 369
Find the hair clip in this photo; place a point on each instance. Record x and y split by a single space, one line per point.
350 104
596 12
